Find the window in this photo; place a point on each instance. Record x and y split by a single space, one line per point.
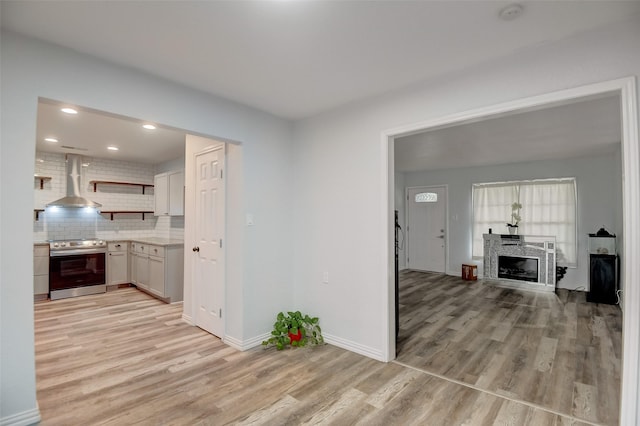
548 208
426 197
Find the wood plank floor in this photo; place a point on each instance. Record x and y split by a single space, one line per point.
124 358
554 351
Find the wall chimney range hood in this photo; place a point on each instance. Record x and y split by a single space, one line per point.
73 198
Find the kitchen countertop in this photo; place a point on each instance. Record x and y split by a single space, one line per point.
145 240
155 241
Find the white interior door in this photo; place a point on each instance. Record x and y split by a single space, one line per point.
426 227
208 248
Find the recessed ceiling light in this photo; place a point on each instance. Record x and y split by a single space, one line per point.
149 126
511 12
54 140
69 111
113 148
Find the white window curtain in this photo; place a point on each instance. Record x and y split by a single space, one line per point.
548 208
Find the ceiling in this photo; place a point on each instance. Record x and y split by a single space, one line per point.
296 59
89 133
587 127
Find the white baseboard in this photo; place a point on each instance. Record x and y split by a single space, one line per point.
353 347
243 345
187 318
25 418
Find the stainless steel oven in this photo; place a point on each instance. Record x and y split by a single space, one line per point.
77 268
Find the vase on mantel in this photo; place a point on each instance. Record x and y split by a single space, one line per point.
513 230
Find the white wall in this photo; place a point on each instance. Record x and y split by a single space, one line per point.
598 182
32 69
340 167
171 165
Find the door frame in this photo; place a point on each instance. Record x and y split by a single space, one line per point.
626 89
446 222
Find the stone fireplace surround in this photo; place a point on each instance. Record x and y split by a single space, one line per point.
541 247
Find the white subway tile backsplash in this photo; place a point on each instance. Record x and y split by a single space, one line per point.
70 223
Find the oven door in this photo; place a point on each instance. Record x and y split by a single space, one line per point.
76 275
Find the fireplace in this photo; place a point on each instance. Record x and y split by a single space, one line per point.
521 261
518 268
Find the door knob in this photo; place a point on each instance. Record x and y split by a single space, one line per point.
196 249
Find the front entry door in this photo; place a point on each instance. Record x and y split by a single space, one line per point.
209 229
426 225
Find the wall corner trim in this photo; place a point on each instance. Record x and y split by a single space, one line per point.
187 318
24 418
354 347
243 345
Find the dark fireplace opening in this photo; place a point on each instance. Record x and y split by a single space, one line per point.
518 268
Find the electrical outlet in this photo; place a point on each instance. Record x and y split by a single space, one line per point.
325 277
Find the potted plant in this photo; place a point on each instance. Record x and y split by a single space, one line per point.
515 218
295 329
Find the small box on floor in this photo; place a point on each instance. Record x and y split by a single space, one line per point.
469 272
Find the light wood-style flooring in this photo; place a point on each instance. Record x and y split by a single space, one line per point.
553 351
124 358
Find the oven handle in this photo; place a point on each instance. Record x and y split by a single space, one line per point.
76 252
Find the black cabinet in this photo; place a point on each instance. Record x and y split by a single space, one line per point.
603 278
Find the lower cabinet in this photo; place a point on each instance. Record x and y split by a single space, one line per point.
158 270
133 271
156 276
142 271
118 263
40 271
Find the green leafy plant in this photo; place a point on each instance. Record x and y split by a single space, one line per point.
294 329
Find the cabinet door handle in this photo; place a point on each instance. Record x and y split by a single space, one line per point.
117 245
196 249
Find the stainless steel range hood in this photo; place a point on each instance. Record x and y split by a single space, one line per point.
73 198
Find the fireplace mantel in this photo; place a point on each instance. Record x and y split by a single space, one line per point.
532 246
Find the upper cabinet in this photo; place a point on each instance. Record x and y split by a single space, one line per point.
169 193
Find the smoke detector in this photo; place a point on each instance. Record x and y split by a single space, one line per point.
511 12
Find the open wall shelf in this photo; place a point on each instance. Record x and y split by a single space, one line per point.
42 179
108 182
114 212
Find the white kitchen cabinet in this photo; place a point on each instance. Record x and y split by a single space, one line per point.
169 193
118 263
141 260
133 275
40 271
158 269
156 276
